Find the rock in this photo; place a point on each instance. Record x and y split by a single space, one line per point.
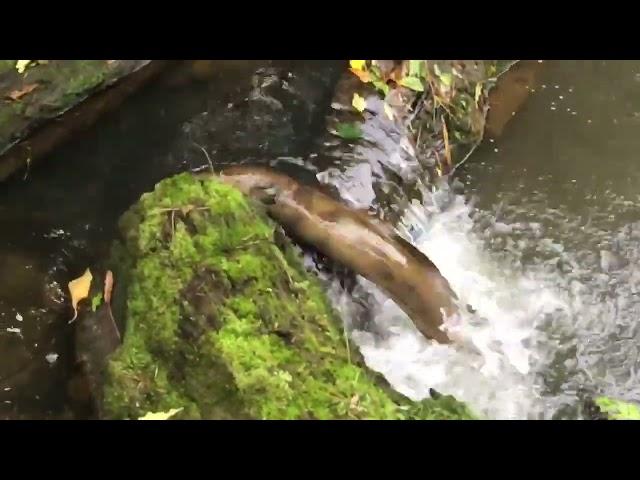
222 323
65 90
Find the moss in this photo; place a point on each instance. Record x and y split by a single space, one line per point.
7 65
221 322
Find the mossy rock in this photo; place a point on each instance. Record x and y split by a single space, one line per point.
61 90
223 322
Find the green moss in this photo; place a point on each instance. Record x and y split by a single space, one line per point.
7 65
226 325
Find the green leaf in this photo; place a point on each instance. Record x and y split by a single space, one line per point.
349 131
415 67
617 409
446 79
96 301
382 86
414 83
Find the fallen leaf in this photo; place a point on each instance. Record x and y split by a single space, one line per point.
478 92
79 290
618 410
447 147
396 74
363 75
21 65
18 94
382 86
349 131
446 79
414 83
108 286
357 64
358 102
161 415
96 301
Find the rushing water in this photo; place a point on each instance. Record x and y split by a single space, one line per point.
541 242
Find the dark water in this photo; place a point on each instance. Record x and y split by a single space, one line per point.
558 197
62 217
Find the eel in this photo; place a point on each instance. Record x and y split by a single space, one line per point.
354 239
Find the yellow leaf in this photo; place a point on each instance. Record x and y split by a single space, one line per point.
358 102
357 64
363 75
161 415
21 65
79 290
478 92
388 111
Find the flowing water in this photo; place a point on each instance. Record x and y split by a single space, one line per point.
540 241
543 244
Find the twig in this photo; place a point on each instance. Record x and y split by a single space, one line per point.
447 147
207 155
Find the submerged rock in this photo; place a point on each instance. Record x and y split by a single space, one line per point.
222 323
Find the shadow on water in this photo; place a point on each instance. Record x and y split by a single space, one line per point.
62 217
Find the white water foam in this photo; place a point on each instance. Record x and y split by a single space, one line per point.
493 368
540 332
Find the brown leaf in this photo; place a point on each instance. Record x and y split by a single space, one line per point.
18 94
108 286
79 290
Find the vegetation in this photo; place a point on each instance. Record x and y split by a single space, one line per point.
617 409
438 101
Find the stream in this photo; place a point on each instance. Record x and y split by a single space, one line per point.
538 233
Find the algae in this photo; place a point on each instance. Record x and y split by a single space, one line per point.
224 324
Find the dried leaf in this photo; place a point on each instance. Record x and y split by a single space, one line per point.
108 286
357 64
447 146
414 83
79 290
161 415
363 75
396 74
358 102
21 65
18 94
